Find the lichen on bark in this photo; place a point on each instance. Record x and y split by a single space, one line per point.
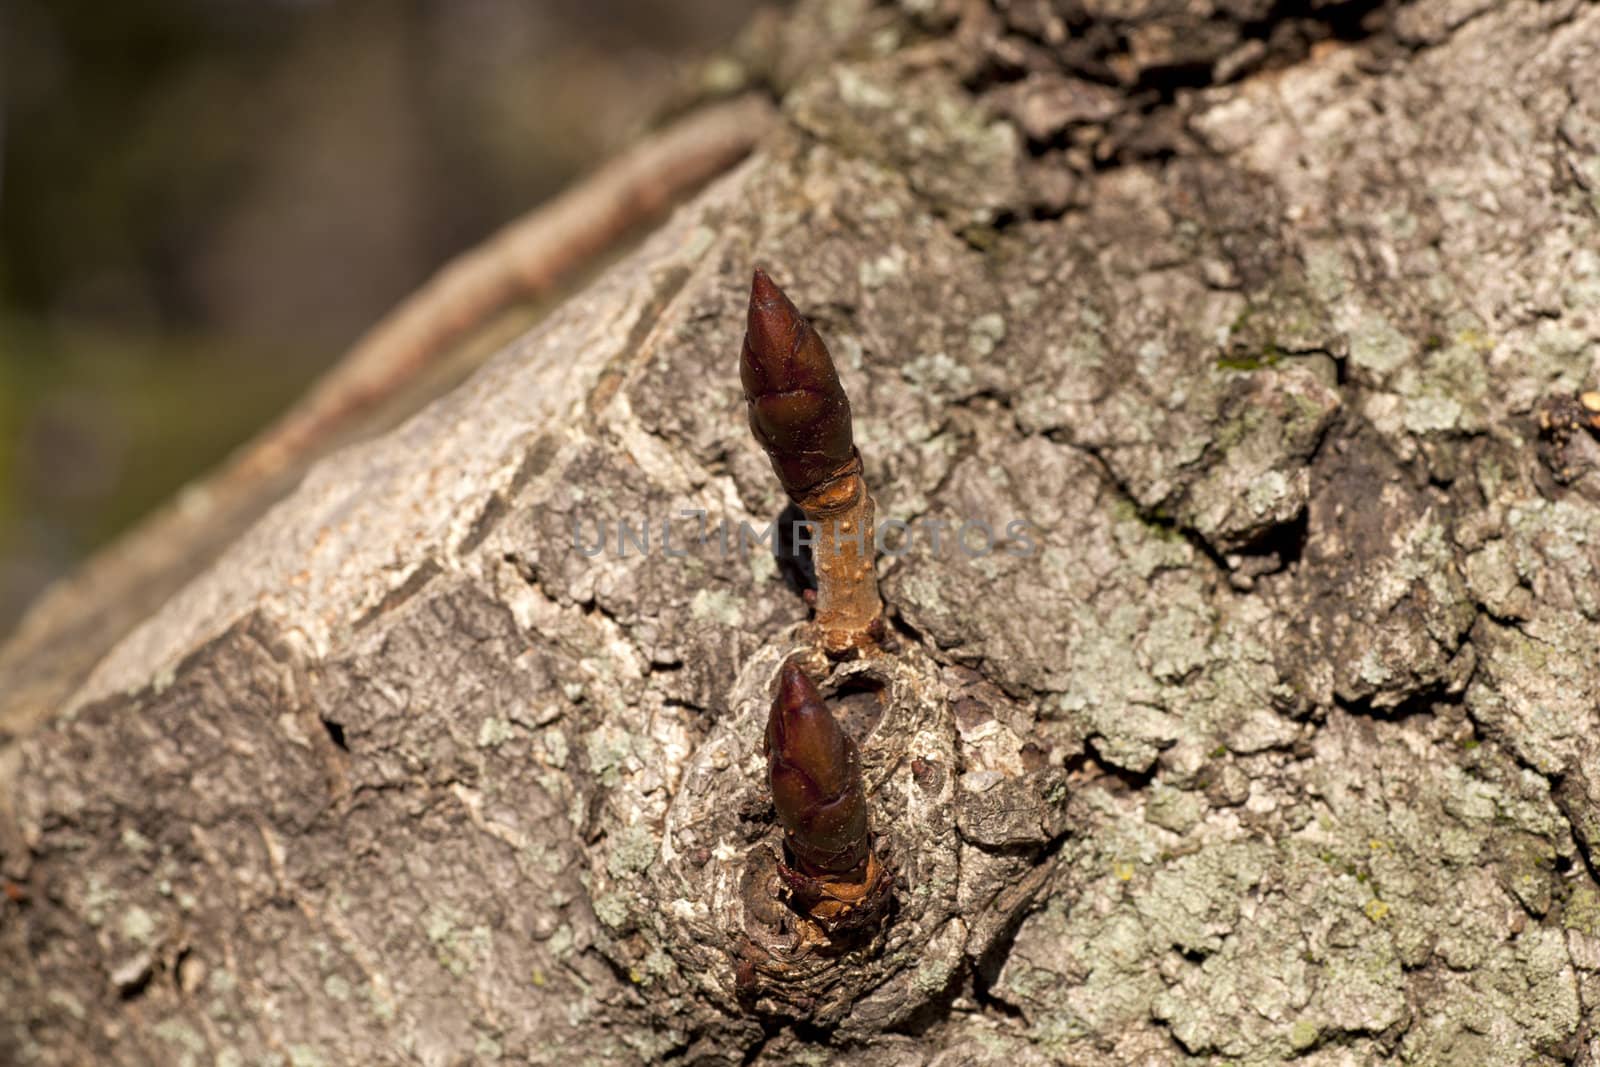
1280 746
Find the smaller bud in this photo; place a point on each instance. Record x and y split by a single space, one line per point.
798 410
815 773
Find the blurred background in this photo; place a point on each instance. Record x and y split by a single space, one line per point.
204 202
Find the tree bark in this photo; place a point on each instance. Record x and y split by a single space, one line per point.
1271 735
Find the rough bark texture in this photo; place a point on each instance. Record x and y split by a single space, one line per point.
1284 745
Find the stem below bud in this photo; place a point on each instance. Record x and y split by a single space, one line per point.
849 610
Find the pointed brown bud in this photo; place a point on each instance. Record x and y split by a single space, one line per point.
798 410
815 773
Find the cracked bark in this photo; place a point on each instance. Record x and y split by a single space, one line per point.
1282 746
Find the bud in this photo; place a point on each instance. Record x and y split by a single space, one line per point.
798 410
815 773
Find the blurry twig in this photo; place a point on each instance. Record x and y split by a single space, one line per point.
525 259
77 621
